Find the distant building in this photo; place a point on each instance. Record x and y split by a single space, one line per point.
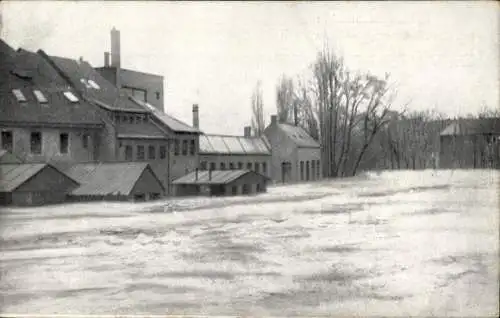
118 181
33 184
470 143
296 156
42 119
220 183
143 86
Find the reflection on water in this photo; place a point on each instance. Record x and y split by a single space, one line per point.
396 243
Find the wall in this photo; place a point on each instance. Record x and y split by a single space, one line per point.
283 149
307 155
180 164
50 144
235 159
249 179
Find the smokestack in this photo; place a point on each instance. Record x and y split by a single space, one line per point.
274 119
247 131
196 118
106 59
115 48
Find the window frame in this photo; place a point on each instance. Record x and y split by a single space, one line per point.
11 134
151 152
38 151
141 152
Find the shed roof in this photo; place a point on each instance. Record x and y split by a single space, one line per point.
15 174
218 176
27 72
233 145
479 126
298 135
8 157
102 179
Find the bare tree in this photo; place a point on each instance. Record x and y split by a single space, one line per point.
258 122
285 98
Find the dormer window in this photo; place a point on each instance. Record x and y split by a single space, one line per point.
40 97
19 95
71 97
94 84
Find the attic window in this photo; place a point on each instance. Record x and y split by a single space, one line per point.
40 97
94 84
19 95
71 97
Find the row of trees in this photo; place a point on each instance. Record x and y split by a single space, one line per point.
351 115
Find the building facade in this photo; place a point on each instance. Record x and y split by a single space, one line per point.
296 156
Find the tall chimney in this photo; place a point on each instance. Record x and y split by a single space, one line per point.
247 131
115 48
106 59
274 119
115 55
196 118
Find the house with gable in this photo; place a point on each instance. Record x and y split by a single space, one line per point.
296 156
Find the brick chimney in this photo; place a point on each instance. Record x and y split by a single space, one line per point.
116 55
247 131
106 59
196 117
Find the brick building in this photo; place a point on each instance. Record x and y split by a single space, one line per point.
296 156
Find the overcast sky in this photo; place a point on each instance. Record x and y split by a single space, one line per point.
441 55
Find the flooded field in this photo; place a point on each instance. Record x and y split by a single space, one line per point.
395 243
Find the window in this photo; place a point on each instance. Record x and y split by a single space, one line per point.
318 170
158 95
249 166
256 167
264 167
231 166
71 97
192 149
137 93
302 170
184 147
140 153
93 84
63 143
117 118
124 119
128 152
222 166
40 97
307 170
152 152
36 143
7 141
203 165
176 147
234 190
131 119
19 95
139 197
313 169
85 140
212 165
163 152
240 165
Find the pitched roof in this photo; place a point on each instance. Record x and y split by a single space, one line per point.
233 145
218 177
105 178
167 120
27 71
14 175
479 126
105 94
145 130
8 157
298 135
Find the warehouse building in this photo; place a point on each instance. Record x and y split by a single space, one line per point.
221 183
33 184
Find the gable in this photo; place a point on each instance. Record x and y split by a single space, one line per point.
148 182
48 179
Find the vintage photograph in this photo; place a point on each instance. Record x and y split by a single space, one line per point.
249 159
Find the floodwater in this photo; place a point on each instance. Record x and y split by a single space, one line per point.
394 244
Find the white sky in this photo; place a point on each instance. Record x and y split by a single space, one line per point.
441 55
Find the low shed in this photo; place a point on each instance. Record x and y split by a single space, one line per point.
117 181
220 183
33 184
